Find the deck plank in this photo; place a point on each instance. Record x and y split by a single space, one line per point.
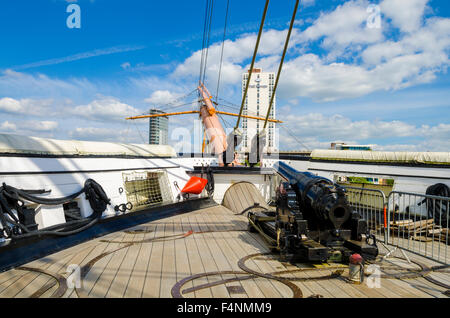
99 248
235 253
168 274
195 262
96 272
271 289
211 259
152 282
103 284
221 242
120 283
56 267
139 271
183 267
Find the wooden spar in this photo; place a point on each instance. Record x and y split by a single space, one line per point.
247 116
214 130
163 115
197 112
204 142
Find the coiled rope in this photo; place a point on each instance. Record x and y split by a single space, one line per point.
12 198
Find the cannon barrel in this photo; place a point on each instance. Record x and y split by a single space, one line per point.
318 197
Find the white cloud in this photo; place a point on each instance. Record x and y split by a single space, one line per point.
407 15
7 126
109 134
92 133
43 126
367 62
30 127
105 109
344 26
340 127
236 53
317 130
26 106
125 65
308 3
162 97
432 39
79 56
39 85
11 105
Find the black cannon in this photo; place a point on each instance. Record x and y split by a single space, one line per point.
313 220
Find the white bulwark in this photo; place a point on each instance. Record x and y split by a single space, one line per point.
256 104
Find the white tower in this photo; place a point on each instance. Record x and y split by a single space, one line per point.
256 104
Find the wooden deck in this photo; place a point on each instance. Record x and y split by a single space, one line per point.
148 260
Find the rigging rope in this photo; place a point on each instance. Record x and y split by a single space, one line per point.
203 41
139 131
221 54
253 63
170 104
293 136
286 45
208 41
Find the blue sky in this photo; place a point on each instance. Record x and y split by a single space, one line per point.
343 80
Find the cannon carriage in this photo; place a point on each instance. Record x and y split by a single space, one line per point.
313 220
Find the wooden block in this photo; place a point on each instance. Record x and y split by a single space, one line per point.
419 224
421 238
402 222
434 231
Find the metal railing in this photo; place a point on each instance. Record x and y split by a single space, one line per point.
413 222
419 223
371 206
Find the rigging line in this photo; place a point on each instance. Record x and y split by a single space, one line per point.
286 45
203 41
205 27
127 131
253 63
249 112
139 131
229 106
229 102
166 106
223 46
208 41
175 106
179 99
225 123
291 133
165 110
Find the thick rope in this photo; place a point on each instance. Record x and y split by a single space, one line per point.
286 45
258 39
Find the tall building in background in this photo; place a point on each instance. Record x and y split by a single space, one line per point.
159 128
256 104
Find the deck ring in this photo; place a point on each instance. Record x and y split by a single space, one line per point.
59 279
176 289
409 273
244 267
